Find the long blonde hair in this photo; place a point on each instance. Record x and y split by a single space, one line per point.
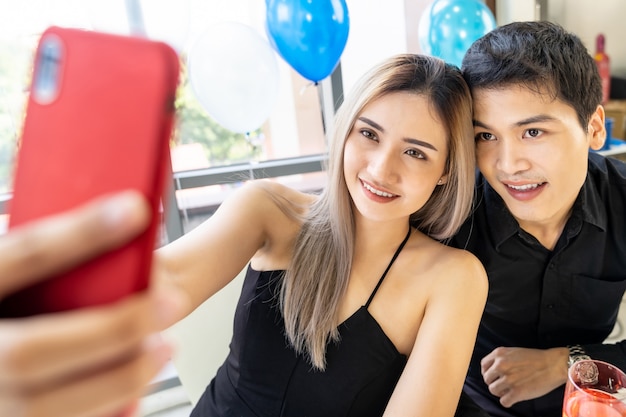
317 278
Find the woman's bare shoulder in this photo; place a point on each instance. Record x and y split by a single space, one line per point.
277 191
448 263
280 212
463 270
265 198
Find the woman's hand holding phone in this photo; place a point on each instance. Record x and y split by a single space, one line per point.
88 362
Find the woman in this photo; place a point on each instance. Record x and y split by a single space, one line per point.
351 306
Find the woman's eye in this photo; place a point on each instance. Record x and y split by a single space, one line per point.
415 153
484 136
369 134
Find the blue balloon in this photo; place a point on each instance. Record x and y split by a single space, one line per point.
449 27
309 34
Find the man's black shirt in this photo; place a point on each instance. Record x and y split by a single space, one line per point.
540 298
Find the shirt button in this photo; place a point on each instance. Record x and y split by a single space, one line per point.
550 306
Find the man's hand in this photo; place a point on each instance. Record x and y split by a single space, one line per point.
520 374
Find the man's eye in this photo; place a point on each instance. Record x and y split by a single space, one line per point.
484 136
533 133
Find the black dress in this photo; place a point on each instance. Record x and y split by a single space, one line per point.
263 375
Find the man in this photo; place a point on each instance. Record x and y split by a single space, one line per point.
550 218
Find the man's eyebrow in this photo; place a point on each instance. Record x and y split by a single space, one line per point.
536 119
413 141
530 120
478 123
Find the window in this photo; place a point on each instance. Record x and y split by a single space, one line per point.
208 159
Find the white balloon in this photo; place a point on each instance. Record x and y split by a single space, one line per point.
234 74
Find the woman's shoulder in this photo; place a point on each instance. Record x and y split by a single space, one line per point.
460 257
279 211
272 190
263 195
463 270
447 263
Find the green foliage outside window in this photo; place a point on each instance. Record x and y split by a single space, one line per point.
12 98
221 146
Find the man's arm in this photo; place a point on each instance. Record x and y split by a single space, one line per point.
519 374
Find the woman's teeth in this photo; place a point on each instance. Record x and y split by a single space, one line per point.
377 192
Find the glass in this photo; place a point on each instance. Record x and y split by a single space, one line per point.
595 389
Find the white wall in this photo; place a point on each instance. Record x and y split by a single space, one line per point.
586 18
372 37
202 339
515 10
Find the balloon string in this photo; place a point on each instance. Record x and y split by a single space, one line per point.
250 170
308 85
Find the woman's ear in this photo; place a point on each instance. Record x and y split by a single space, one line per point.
443 179
597 129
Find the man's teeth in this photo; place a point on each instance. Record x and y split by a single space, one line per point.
377 192
524 187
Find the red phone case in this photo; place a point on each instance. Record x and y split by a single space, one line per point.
99 118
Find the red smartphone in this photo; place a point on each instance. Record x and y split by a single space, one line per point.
99 118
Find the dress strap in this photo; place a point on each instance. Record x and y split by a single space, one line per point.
395 255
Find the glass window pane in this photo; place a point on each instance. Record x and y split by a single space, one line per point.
293 128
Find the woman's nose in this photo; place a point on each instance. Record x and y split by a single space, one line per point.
383 166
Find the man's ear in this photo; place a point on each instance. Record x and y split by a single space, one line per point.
596 129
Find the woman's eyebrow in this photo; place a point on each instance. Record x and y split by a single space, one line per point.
413 141
371 123
421 143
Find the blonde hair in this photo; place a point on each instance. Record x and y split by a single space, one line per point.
317 278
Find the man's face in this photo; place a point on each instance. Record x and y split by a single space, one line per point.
533 152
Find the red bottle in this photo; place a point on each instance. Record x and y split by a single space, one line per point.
602 62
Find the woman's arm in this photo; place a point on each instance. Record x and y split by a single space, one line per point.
203 261
433 377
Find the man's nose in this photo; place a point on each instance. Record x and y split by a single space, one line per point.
511 157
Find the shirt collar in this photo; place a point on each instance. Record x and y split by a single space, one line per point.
590 203
587 207
503 224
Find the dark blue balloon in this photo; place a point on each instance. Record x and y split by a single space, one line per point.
309 34
449 27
